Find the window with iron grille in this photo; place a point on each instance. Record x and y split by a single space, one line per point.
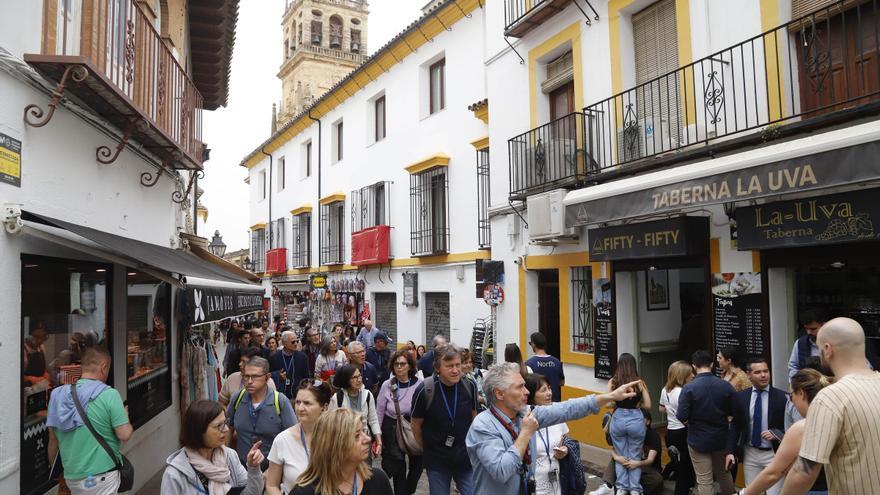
300 250
370 206
258 250
582 336
333 232
279 239
429 223
484 229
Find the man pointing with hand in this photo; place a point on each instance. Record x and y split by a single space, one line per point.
499 442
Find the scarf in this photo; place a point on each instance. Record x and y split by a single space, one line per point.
216 469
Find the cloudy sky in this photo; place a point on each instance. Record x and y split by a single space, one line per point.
234 131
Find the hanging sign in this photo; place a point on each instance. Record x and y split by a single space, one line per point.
318 281
606 337
217 303
410 289
10 160
493 294
682 236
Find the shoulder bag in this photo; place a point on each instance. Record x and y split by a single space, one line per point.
126 470
406 439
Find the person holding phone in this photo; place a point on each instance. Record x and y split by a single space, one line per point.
551 439
205 464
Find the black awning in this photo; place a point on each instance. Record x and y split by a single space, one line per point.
142 254
207 302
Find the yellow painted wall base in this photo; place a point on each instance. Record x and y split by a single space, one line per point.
587 430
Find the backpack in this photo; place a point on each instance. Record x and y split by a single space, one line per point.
470 389
340 396
241 396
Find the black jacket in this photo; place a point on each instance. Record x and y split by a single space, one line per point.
740 427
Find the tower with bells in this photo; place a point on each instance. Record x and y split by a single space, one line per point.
323 41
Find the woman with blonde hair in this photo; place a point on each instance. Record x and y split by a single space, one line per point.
680 372
805 384
340 445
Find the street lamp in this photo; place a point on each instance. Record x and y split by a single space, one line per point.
246 264
217 246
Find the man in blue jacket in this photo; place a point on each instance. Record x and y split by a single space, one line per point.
758 423
704 405
288 365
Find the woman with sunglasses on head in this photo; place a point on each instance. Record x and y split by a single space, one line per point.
394 400
204 464
290 451
337 464
351 394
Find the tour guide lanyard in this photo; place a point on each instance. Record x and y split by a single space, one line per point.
302 437
454 406
546 442
525 471
288 368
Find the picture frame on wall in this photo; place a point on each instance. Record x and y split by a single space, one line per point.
657 289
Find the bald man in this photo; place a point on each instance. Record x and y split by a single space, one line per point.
843 427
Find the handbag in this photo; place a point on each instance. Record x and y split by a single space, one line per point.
572 478
406 439
126 470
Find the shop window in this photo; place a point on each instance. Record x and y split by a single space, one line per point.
302 240
370 206
429 226
65 308
148 326
582 335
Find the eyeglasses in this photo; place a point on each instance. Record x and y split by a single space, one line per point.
251 378
400 364
220 426
356 377
358 352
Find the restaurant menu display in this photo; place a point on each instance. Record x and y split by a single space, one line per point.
737 313
606 337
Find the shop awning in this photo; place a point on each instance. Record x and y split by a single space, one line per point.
156 260
834 158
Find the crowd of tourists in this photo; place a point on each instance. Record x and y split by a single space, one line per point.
309 414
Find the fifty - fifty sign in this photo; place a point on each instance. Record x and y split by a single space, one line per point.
827 169
682 236
832 219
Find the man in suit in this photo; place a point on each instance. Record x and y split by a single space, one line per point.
758 423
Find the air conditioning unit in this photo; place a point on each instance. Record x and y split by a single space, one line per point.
645 139
546 216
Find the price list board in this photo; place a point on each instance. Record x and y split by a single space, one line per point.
606 336
738 319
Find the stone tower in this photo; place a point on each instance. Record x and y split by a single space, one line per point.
323 41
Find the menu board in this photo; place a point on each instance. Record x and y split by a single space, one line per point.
737 315
606 336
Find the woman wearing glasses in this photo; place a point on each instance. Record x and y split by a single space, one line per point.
205 464
336 465
395 400
290 451
353 395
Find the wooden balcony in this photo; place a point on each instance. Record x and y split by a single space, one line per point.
107 56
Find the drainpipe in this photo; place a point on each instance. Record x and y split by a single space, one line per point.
263 151
319 183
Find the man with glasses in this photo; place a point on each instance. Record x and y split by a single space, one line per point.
289 365
357 356
256 413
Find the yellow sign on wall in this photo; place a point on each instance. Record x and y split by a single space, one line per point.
10 160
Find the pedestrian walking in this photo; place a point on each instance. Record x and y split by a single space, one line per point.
351 394
329 360
758 423
474 374
628 425
340 446
512 354
546 365
500 443
379 355
367 334
394 404
704 406
290 452
443 410
805 385
88 467
551 440
288 365
233 384
730 364
272 344
679 374
256 413
312 347
426 361
240 342
258 337
842 429
357 357
205 464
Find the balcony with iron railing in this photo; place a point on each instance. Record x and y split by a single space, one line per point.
107 56
522 16
812 72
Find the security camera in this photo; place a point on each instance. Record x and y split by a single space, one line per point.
12 218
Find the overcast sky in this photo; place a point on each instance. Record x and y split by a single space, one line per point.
234 131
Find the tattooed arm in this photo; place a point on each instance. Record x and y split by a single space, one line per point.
801 476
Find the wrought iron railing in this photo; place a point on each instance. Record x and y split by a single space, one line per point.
300 252
548 157
122 45
484 224
815 65
429 212
333 233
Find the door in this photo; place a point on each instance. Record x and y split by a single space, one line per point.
548 309
562 105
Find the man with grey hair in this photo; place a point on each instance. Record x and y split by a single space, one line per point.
367 334
256 413
426 362
288 365
500 444
443 409
357 357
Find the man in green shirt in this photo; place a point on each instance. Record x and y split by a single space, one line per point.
87 467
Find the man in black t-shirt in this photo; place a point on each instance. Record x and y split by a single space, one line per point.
443 409
652 479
